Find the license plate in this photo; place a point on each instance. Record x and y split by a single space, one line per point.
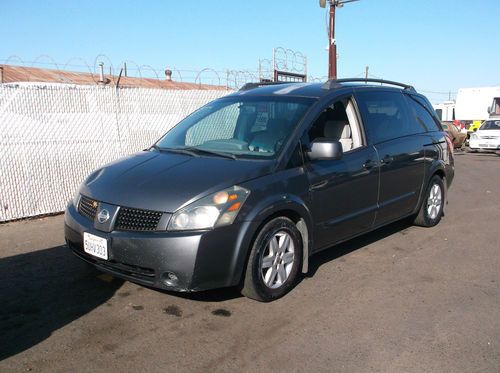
95 245
489 144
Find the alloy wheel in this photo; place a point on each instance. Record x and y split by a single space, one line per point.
277 260
434 201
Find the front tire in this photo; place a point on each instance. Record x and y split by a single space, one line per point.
431 211
274 262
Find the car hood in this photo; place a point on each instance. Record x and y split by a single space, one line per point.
492 133
166 181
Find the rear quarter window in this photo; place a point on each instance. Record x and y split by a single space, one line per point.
419 110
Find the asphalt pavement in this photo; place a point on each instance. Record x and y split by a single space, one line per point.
400 299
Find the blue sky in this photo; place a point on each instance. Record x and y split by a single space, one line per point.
437 45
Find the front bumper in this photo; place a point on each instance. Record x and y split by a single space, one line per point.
200 260
484 144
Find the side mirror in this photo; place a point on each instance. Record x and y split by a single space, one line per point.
325 149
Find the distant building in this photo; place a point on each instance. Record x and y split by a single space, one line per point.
22 74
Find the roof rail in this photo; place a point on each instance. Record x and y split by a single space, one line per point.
248 86
336 83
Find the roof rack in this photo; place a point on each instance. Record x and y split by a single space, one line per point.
336 83
248 86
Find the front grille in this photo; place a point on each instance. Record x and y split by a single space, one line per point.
87 207
137 220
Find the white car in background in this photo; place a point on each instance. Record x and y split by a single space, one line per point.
487 137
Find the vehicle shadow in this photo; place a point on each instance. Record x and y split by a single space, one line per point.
479 154
41 292
337 251
215 295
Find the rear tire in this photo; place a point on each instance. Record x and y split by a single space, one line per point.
431 211
274 263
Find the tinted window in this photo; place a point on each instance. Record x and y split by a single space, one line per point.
420 112
385 115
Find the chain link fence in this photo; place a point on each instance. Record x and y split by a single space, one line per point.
53 136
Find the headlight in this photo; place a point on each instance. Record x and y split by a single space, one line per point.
215 210
473 136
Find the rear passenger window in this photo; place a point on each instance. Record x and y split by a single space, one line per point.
385 116
419 111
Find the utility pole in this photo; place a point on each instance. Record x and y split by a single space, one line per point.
332 45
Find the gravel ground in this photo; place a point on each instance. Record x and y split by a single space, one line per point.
402 298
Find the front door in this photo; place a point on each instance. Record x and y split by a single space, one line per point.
344 195
344 191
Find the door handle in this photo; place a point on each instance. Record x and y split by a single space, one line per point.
387 159
319 185
369 164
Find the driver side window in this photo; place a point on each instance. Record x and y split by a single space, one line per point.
338 122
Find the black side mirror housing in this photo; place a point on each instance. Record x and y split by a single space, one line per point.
325 149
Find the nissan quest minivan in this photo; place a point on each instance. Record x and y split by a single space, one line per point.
244 190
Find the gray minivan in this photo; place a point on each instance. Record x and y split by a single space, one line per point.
244 190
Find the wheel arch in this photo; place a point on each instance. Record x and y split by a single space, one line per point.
437 169
442 174
289 207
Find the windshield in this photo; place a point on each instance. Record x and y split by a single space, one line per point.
490 125
237 126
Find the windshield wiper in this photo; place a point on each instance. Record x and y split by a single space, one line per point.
180 151
155 147
194 152
211 152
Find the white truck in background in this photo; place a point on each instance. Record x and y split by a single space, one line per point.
494 109
445 111
471 108
474 104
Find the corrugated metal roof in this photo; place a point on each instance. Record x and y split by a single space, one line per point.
15 74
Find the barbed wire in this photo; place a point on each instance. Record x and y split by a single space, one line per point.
265 69
319 79
85 64
230 78
289 60
284 59
209 70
